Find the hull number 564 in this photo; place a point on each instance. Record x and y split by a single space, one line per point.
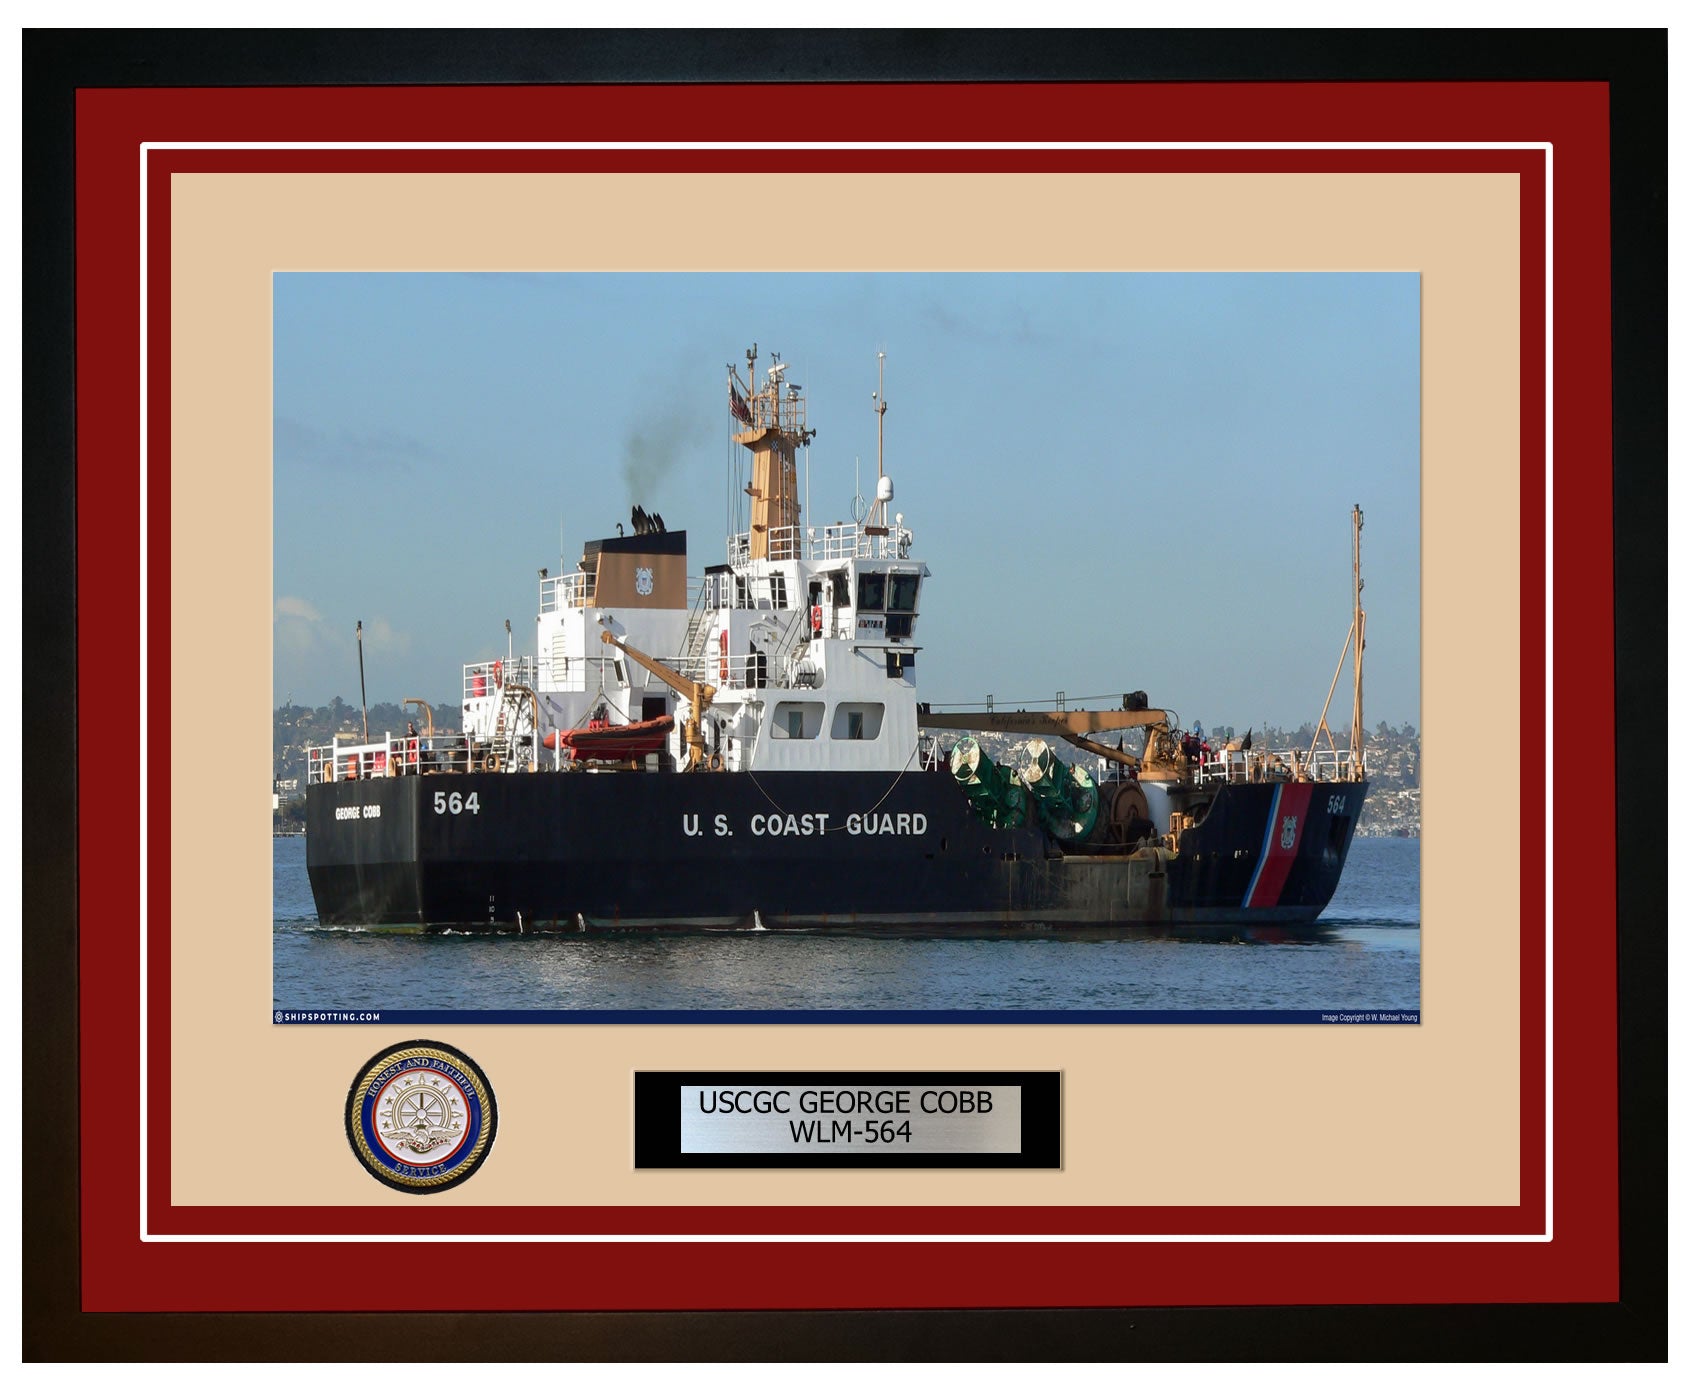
454 804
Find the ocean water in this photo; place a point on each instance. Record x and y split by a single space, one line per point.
1363 955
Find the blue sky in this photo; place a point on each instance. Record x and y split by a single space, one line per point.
1118 480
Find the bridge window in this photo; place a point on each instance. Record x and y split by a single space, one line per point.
870 591
905 591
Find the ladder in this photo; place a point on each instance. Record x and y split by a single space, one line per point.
500 752
696 640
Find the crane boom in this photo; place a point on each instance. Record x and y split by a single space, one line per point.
697 694
1043 722
1074 727
684 686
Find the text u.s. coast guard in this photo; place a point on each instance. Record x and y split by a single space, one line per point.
811 824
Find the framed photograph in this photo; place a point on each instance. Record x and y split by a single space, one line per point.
956 700
746 766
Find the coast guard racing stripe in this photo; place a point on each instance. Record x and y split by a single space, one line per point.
1281 839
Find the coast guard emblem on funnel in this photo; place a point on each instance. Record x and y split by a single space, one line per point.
420 1116
645 580
1289 832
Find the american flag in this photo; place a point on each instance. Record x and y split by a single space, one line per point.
740 410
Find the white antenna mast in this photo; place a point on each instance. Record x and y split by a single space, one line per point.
806 529
879 408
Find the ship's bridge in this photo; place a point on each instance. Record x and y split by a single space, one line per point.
852 587
813 653
807 634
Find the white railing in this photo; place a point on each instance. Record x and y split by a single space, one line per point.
569 591
488 678
742 671
1263 766
571 674
1332 766
738 591
783 545
823 544
935 751
836 541
839 541
577 591
395 756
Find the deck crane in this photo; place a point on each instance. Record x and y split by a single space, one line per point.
696 694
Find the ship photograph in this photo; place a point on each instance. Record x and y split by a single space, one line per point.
915 703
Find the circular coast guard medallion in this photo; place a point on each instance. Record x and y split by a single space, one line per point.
421 1116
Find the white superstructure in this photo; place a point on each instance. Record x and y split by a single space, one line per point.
812 657
806 636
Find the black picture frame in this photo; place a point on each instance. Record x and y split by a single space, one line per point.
57 63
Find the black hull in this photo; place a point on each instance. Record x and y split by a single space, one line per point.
793 851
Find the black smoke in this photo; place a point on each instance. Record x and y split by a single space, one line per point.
652 451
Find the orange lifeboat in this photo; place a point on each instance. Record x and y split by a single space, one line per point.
613 743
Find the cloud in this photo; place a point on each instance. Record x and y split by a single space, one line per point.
299 631
1016 329
297 628
383 637
348 449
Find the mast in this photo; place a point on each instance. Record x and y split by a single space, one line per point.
1357 644
881 488
774 420
360 650
880 413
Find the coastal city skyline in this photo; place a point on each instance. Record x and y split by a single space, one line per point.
1118 481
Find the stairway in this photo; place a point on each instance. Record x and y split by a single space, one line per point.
696 640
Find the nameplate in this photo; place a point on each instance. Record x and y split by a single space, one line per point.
848 1119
